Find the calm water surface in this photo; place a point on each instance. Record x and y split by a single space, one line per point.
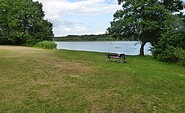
127 47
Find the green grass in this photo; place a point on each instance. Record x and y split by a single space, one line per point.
55 81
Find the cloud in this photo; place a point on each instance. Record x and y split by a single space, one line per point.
67 29
64 30
55 10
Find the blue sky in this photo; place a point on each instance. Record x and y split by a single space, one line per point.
78 17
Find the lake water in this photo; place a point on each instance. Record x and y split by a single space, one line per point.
127 47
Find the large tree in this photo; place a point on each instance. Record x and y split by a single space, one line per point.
22 22
144 19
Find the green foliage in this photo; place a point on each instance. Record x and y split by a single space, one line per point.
22 23
172 5
46 45
181 57
169 54
170 48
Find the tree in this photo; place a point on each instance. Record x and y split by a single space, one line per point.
172 5
171 46
22 22
144 19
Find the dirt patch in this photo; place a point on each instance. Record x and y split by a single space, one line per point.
19 48
21 51
42 57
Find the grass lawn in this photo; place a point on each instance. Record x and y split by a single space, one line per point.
59 81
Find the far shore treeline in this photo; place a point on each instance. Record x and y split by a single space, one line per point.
93 37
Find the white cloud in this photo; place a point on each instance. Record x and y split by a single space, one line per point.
55 10
81 28
67 29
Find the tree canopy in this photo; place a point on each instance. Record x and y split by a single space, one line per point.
22 23
172 5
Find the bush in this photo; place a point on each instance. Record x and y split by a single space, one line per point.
181 56
170 48
169 54
46 45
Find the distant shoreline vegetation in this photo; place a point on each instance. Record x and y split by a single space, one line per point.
99 37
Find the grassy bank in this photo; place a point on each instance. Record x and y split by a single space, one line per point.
55 81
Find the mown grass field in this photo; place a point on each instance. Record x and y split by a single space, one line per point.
59 81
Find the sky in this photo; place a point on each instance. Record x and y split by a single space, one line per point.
79 17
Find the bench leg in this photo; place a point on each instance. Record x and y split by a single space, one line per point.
122 60
107 59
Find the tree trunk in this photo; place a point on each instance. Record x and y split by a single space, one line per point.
142 49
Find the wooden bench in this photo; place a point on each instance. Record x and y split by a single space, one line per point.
116 56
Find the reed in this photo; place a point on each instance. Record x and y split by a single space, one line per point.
46 45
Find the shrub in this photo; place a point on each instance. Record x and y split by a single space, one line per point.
46 45
181 56
170 48
169 54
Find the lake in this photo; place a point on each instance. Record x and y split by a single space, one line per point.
126 47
